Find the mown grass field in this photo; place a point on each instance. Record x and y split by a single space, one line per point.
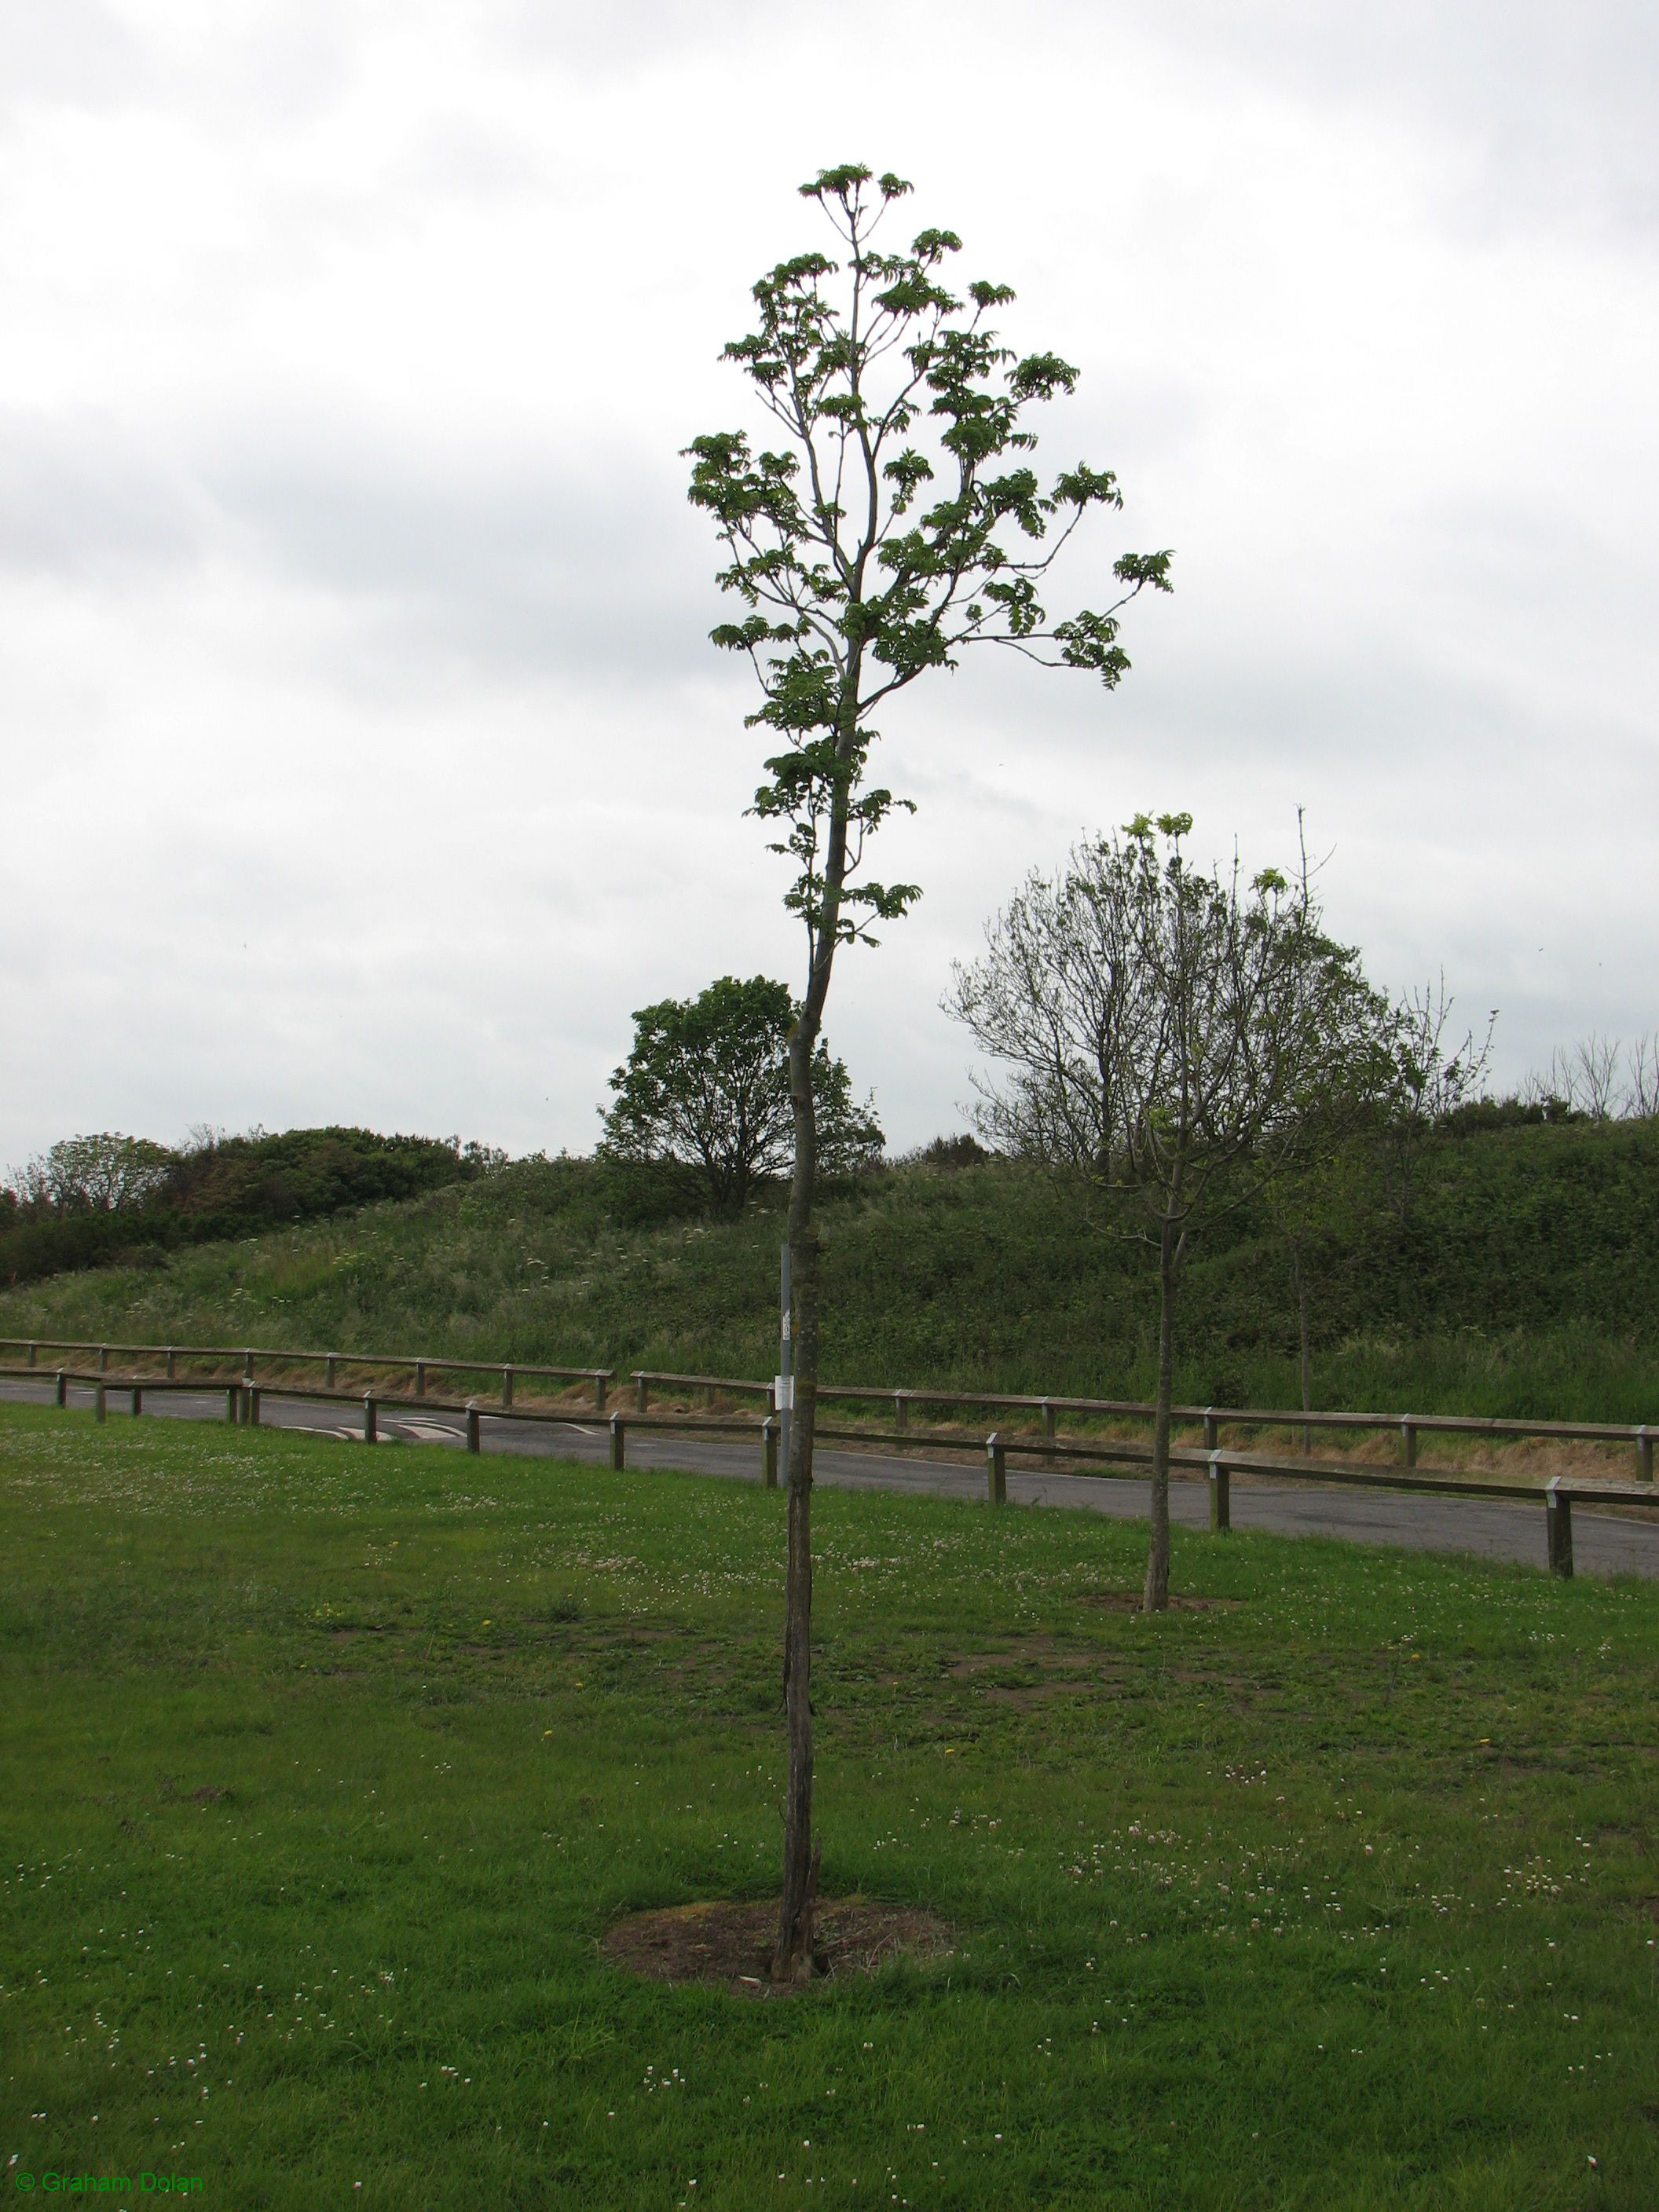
328 1768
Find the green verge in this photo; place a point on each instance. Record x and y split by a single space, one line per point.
1527 1285
328 1768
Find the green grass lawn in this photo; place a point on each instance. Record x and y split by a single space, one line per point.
327 1769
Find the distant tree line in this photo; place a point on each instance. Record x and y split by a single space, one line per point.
699 1121
89 1200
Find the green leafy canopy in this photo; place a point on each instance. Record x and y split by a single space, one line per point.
705 1088
899 520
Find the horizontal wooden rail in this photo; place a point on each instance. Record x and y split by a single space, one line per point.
1217 1465
270 1351
418 1363
1129 1453
1408 1426
1211 1416
306 1393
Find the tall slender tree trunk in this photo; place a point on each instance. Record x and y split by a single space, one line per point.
1156 1598
791 1956
1306 1355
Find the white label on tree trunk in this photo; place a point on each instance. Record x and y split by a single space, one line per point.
783 1388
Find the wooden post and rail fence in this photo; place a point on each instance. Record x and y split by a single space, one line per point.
418 1366
1406 1427
1216 1462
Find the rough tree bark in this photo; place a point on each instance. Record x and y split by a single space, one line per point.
1155 1595
792 1952
791 1956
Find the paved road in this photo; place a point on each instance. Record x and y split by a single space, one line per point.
1603 1543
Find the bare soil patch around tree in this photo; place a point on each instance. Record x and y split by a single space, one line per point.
729 1943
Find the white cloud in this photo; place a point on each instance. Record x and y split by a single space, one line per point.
365 757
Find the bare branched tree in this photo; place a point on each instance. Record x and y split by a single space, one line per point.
1587 1076
1600 1079
1178 1036
1642 1088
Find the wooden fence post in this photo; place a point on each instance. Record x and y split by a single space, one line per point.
1557 1526
507 1386
138 1401
98 1409
254 1409
330 1363
173 1364
420 1378
1210 1433
618 1449
247 1367
62 1388
642 1393
103 1359
598 1393
1221 1496
472 1439
32 1352
996 1469
770 1451
1408 1441
371 1425
900 1409
1048 1425
1644 1453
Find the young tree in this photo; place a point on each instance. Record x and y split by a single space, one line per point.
896 522
1179 1036
707 1089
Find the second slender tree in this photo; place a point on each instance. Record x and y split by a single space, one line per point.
892 519
1181 1036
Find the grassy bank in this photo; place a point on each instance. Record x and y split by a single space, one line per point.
1524 1282
328 1768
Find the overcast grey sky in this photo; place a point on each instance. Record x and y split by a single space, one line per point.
366 760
